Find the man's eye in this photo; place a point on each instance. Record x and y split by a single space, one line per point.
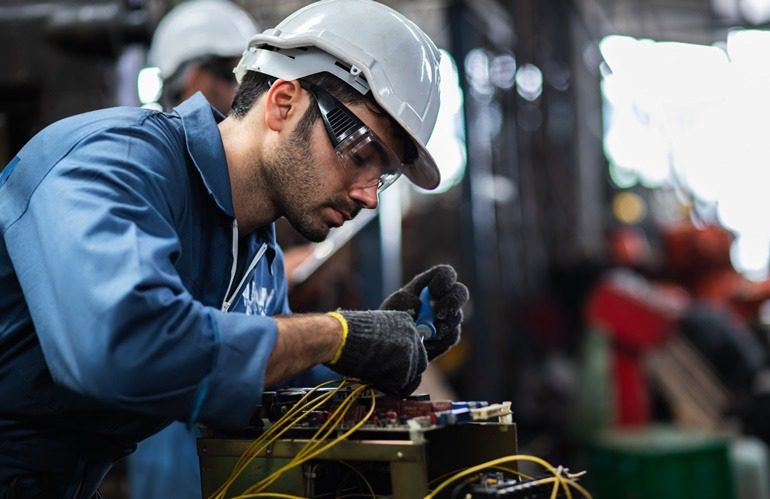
357 159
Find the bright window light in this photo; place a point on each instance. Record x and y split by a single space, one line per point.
695 116
149 85
750 255
529 82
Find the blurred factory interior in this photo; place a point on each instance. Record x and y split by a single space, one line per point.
604 181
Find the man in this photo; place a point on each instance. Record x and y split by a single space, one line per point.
196 46
141 279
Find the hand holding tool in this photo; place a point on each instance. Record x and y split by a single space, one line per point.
446 298
382 347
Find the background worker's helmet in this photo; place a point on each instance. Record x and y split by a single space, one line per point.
199 28
369 46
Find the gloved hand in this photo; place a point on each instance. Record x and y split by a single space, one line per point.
383 348
448 297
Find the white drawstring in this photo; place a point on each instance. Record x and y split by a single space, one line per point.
230 297
234 252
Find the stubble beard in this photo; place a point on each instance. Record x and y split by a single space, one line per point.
294 179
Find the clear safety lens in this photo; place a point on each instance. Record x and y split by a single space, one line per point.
358 148
369 159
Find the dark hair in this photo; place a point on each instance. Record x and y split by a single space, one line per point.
254 84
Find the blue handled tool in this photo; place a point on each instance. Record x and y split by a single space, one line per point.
425 316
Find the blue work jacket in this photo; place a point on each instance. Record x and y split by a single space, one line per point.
119 258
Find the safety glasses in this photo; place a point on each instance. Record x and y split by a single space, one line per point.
359 150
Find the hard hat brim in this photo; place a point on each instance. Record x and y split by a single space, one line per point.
425 172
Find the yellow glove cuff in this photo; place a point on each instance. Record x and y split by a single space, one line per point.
344 324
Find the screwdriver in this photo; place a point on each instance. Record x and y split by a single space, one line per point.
425 316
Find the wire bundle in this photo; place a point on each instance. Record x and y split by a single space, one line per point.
315 446
318 444
560 478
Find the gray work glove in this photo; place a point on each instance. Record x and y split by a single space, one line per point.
382 348
447 299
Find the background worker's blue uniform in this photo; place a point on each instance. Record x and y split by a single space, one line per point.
115 261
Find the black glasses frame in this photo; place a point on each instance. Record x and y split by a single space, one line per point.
339 121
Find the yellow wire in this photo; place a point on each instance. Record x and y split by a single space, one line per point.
331 422
564 483
248 455
501 468
271 434
507 459
556 483
445 475
362 477
349 432
310 450
267 494
512 471
579 488
267 438
289 423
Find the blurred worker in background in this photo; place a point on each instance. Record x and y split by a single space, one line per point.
196 46
141 278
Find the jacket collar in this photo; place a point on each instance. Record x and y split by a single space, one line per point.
199 121
204 143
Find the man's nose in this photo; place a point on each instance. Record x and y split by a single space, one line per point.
365 195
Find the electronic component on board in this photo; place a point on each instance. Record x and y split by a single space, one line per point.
390 414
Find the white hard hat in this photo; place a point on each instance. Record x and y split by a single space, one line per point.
371 47
199 28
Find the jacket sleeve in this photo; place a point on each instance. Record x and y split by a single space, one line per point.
94 252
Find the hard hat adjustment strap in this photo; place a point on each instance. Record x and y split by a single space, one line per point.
296 63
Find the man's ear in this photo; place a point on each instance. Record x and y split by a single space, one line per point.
282 103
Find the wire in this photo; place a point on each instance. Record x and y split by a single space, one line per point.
325 429
267 494
558 476
311 449
319 443
513 472
462 485
563 481
501 468
274 432
362 477
330 423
